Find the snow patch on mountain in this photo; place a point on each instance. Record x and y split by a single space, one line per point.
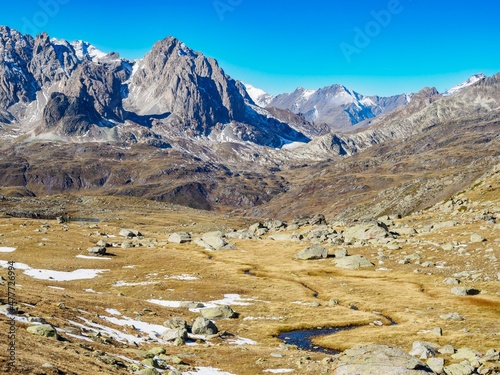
472 80
84 49
259 97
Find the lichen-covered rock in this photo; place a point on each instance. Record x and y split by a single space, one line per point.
315 251
353 262
219 312
378 360
45 330
204 326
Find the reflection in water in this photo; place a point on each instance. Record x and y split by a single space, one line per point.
303 338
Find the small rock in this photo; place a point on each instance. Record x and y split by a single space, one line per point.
458 369
447 246
452 316
204 326
341 253
447 349
315 251
97 250
423 349
174 323
476 238
465 353
214 239
174 334
451 281
464 291
436 365
353 262
438 331
219 312
179 238
45 330
157 351
129 233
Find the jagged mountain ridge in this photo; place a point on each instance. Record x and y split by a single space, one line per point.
335 107
79 96
172 92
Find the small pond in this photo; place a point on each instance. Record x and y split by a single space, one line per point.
303 338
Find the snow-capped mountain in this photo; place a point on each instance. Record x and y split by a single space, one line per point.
57 89
337 106
472 80
259 97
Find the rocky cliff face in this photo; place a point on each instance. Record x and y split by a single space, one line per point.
173 92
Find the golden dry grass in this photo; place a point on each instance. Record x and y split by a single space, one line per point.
264 271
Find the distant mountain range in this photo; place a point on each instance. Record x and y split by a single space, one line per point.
173 126
338 107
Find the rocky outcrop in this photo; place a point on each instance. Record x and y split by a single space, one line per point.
69 115
378 360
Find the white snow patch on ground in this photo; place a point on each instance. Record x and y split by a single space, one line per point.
129 266
264 318
55 287
232 299
241 341
207 371
229 299
41 274
183 277
113 312
7 249
91 257
78 337
110 332
173 304
154 331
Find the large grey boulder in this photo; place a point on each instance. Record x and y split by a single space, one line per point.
97 250
219 312
315 251
45 330
179 237
424 350
215 240
129 233
353 262
459 369
366 231
464 291
204 326
175 323
175 334
378 360
284 237
273 224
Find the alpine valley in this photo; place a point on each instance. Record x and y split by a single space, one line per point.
174 127
142 201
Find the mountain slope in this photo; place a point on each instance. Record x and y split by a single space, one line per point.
172 92
336 106
471 81
404 161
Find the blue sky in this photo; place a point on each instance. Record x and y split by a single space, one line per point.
374 47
